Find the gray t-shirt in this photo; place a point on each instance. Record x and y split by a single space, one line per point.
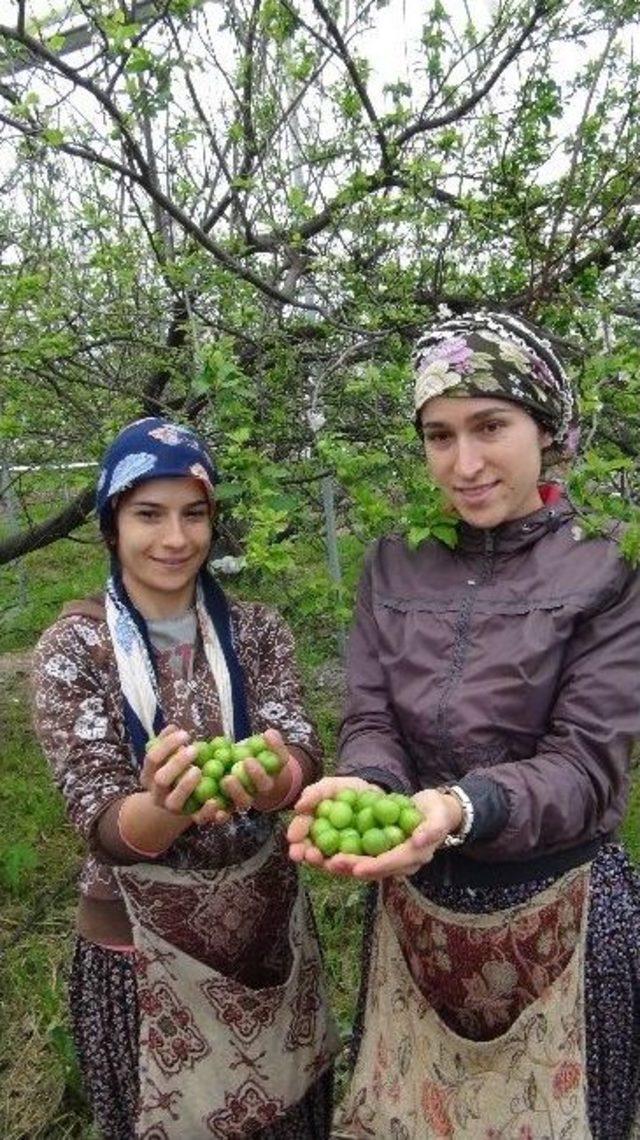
174 640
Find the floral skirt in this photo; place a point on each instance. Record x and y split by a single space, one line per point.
611 981
104 1013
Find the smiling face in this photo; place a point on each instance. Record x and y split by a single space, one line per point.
163 536
486 456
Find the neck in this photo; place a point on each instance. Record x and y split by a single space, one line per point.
159 606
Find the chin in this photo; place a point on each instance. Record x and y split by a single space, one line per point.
483 519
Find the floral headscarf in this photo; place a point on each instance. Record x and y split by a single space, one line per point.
495 354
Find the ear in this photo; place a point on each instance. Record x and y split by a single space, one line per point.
545 438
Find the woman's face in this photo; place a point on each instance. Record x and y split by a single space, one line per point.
163 537
486 455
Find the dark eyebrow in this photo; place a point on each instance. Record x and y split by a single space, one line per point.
486 413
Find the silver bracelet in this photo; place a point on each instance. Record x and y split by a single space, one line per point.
455 838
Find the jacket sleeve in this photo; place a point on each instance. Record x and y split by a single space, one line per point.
79 735
568 791
370 743
278 691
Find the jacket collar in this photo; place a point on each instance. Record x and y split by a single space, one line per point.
517 534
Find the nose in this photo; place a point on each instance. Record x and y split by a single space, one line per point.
468 461
174 532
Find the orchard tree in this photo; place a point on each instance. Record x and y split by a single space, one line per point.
240 214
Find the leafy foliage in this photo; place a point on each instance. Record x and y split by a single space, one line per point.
226 213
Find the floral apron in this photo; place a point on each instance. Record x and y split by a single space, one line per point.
234 1022
474 1023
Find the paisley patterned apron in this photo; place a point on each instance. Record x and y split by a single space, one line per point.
474 1024
234 1022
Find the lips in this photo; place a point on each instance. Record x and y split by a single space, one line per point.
172 563
476 494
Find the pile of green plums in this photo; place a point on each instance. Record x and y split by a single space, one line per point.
222 757
363 823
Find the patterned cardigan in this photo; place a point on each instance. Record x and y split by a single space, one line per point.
79 722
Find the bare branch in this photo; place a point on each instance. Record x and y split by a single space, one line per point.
541 9
356 79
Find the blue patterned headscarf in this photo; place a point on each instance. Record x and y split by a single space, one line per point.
147 449
151 448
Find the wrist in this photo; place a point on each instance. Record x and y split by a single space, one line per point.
462 815
147 828
290 792
454 813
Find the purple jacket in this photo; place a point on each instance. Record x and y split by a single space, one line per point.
510 666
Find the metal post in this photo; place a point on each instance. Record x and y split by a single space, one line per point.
333 554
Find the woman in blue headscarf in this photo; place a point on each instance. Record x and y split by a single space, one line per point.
196 992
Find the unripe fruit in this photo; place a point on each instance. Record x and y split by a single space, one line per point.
340 815
347 796
241 751
368 797
240 772
203 753
363 823
394 834
328 842
323 809
350 843
409 819
365 819
214 768
191 805
317 827
271 763
385 811
205 790
220 757
374 841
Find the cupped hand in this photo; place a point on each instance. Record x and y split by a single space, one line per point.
269 791
170 774
442 816
301 848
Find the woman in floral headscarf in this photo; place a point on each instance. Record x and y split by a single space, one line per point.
197 998
496 683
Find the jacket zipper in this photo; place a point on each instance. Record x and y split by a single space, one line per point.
483 577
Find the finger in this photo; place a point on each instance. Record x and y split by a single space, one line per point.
211 813
273 739
394 862
297 852
234 791
167 730
160 751
262 783
177 796
298 829
387 865
426 835
341 864
173 768
312 856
